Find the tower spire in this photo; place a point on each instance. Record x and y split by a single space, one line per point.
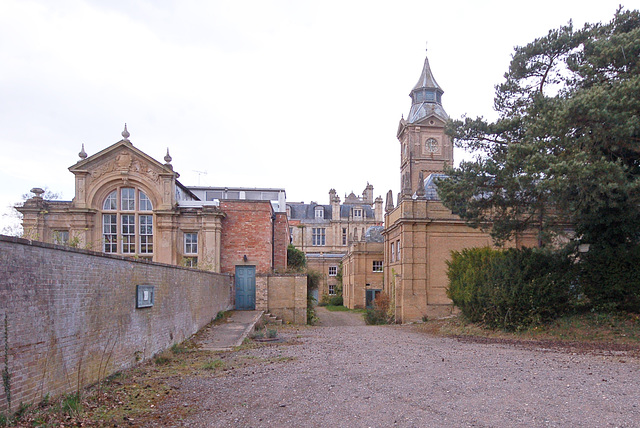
426 96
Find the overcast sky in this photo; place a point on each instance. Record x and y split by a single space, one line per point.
304 95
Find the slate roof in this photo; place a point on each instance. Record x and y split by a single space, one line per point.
308 211
431 186
367 211
374 234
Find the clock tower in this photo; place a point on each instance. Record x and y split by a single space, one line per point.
424 147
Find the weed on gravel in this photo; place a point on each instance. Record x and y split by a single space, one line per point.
132 397
588 330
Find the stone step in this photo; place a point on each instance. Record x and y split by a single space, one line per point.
272 319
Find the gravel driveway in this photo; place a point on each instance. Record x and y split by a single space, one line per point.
328 318
380 376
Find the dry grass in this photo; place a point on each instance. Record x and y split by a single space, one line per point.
614 328
132 397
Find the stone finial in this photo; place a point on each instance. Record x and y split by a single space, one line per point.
168 158
38 192
82 154
389 205
420 192
406 188
125 134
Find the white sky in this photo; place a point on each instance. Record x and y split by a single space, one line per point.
304 95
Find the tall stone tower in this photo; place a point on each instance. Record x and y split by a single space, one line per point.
424 147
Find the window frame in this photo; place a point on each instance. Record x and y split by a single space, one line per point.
127 222
61 236
318 236
377 266
333 270
189 244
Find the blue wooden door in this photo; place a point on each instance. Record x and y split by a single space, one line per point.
371 297
245 288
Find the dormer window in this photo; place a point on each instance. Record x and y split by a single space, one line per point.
319 212
357 213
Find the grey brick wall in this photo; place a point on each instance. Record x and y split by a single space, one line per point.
71 317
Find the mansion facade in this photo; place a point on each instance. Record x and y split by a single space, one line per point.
127 203
325 232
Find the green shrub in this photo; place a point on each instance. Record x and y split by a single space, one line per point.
380 314
324 300
296 260
336 300
511 289
610 277
469 271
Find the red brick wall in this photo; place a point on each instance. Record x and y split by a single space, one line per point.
246 230
70 315
281 242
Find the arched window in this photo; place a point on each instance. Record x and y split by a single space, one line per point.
127 222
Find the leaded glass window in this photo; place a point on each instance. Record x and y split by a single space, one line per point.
127 224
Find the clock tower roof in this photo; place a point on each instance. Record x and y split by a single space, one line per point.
426 97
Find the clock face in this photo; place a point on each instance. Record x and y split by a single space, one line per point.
432 145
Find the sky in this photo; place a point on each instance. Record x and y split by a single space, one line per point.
300 95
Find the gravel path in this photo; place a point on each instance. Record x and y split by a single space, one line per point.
338 318
380 376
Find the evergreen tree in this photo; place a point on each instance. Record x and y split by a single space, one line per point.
565 148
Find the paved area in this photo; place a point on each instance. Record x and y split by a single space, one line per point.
338 318
382 376
225 336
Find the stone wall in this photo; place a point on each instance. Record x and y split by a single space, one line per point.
68 317
284 296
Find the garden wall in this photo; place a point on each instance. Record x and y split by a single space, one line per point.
284 296
68 317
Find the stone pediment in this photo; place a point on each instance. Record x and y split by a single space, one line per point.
426 121
122 158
